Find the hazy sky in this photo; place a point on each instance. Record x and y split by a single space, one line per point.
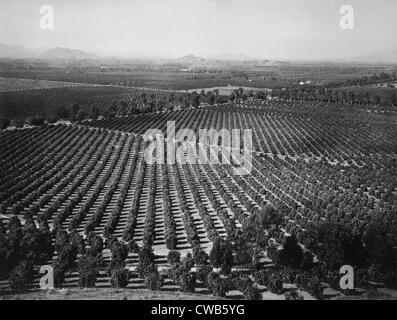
283 29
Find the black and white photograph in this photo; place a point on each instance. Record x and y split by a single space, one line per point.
211 151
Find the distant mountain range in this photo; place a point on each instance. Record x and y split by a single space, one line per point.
190 61
231 57
67 54
20 52
17 51
388 55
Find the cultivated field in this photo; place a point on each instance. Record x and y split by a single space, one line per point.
16 84
322 174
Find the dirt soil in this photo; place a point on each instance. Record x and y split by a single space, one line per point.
101 294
